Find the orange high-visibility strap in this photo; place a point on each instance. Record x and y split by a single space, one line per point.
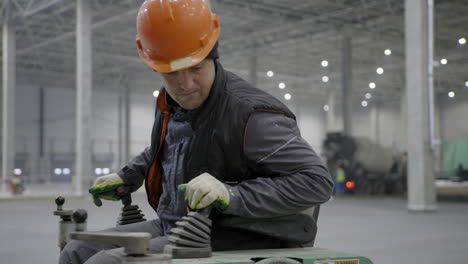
154 180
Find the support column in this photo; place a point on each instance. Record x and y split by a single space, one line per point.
253 65
41 160
124 141
374 122
124 122
84 79
120 121
330 114
403 121
418 42
8 108
346 83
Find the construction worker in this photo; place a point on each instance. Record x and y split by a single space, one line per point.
228 144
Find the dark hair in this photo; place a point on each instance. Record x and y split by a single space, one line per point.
214 52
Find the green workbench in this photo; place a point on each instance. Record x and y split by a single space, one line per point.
302 255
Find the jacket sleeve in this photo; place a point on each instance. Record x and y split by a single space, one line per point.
297 178
134 172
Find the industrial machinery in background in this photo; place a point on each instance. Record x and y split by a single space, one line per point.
190 241
22 168
21 174
368 167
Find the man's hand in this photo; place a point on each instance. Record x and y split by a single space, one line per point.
204 190
105 188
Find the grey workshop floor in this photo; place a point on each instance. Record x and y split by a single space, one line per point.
379 228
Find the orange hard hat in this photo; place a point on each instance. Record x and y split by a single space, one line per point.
175 34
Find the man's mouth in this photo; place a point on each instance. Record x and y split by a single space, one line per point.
189 93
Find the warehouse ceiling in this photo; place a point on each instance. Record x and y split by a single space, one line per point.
288 37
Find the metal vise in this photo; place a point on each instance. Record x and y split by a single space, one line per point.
71 221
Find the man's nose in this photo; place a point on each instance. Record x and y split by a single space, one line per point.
185 79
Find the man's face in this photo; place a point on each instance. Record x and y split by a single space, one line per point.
190 87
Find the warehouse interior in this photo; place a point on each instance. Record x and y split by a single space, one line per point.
388 76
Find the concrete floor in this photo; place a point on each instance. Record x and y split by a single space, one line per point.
379 228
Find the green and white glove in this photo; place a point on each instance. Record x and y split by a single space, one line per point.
205 190
105 188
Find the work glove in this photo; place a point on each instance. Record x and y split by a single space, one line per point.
205 190
105 188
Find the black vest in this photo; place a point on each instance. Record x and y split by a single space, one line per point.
217 148
219 124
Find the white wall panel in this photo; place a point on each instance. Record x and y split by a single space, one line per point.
454 117
59 122
59 119
361 120
27 119
311 121
141 121
390 127
27 129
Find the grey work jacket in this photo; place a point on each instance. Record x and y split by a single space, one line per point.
272 142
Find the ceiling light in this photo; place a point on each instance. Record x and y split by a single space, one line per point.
270 74
326 108
368 96
462 41
156 93
451 94
364 103
380 70
281 85
325 79
371 85
287 96
466 84
324 63
388 52
443 61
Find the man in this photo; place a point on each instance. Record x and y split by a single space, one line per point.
230 145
